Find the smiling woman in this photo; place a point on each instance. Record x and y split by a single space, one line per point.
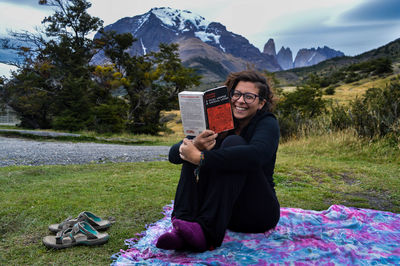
226 179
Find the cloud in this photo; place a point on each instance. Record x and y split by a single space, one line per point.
365 26
373 11
30 3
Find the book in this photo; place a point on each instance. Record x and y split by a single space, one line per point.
210 109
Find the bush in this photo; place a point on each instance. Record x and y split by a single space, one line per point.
109 118
330 90
340 118
378 113
297 110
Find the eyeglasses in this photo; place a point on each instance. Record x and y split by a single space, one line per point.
247 97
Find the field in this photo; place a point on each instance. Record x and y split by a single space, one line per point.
311 173
347 92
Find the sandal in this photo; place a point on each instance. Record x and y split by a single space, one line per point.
82 233
92 219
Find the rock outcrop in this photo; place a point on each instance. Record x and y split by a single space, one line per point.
269 48
285 58
309 57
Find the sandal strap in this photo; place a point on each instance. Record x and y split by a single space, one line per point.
80 227
88 230
70 222
68 232
89 217
64 224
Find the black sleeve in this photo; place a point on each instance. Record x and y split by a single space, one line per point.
260 149
173 155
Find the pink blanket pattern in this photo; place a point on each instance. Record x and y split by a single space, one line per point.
339 235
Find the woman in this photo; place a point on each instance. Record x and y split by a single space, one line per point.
226 181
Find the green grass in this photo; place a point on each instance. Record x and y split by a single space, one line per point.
34 197
311 173
316 172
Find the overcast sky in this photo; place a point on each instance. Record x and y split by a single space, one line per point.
351 26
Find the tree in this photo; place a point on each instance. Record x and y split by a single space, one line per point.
68 92
109 112
30 96
70 51
153 80
56 68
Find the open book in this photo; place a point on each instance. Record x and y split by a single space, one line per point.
210 109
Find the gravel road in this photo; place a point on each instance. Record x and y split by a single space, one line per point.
14 151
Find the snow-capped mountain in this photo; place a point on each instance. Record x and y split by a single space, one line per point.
230 51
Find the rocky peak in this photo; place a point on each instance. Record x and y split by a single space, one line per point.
309 57
285 58
269 47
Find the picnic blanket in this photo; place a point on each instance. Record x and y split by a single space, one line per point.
339 235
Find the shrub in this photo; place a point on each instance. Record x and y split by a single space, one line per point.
340 117
109 118
378 112
330 90
296 110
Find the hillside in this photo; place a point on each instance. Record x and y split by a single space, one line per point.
297 76
348 92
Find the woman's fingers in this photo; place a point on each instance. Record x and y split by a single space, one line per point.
205 139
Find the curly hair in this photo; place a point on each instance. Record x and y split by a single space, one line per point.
259 81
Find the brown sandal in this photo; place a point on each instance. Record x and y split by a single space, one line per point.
92 219
82 233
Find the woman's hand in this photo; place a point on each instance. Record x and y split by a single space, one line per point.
189 152
206 140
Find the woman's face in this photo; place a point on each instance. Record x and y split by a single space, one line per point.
242 106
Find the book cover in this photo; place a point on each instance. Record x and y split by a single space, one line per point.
210 109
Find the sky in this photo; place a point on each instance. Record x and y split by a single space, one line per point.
351 26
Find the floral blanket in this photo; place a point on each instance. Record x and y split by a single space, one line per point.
339 235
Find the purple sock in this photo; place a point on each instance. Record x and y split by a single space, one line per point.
192 233
170 240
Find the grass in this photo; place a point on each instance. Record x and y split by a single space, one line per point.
311 173
34 197
349 91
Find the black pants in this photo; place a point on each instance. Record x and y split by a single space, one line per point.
240 201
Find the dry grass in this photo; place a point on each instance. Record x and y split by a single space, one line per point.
174 124
348 92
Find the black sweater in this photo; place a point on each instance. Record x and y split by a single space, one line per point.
262 136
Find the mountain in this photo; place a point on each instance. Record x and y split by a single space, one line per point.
326 68
269 48
230 51
285 58
309 57
8 55
304 57
8 58
5 70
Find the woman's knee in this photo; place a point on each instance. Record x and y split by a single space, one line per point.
233 140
